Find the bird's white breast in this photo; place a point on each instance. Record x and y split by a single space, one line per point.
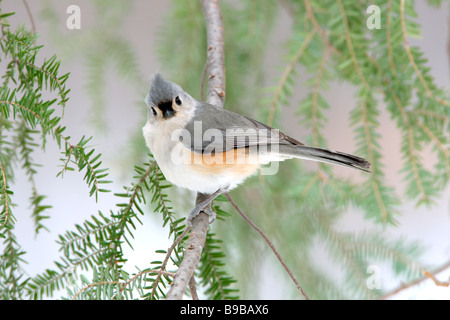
177 165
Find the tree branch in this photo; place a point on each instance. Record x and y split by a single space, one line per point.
33 26
191 257
413 283
215 59
215 69
193 288
166 259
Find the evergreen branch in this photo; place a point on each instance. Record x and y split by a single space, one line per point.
166 259
413 283
127 211
33 26
338 243
71 238
34 110
5 201
51 280
123 284
38 208
376 246
18 105
319 30
286 75
93 176
51 75
62 92
311 182
93 285
431 114
136 189
350 46
310 13
315 96
411 149
149 271
11 271
375 183
110 250
220 286
388 38
412 60
167 215
211 271
24 140
444 150
380 199
291 275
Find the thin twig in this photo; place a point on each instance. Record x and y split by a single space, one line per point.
6 204
33 26
316 26
166 259
436 281
124 284
158 272
284 78
388 38
193 288
300 289
93 285
351 50
419 75
414 283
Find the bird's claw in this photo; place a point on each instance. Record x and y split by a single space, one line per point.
211 213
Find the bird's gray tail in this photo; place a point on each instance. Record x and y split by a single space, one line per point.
327 156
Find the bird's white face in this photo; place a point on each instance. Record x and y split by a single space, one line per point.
170 109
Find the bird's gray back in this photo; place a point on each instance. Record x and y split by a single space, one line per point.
224 130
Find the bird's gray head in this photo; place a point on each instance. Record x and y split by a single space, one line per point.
166 99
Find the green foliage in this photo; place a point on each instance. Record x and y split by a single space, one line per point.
26 116
299 209
103 49
211 271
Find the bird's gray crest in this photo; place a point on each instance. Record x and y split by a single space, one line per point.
162 90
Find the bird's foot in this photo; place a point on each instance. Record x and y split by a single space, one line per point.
199 208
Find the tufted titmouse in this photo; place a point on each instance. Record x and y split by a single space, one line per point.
211 150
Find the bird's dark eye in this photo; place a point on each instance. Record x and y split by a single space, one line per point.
178 101
154 111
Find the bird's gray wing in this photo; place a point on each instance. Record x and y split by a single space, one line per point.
215 129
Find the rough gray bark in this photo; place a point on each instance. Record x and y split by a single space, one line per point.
215 68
